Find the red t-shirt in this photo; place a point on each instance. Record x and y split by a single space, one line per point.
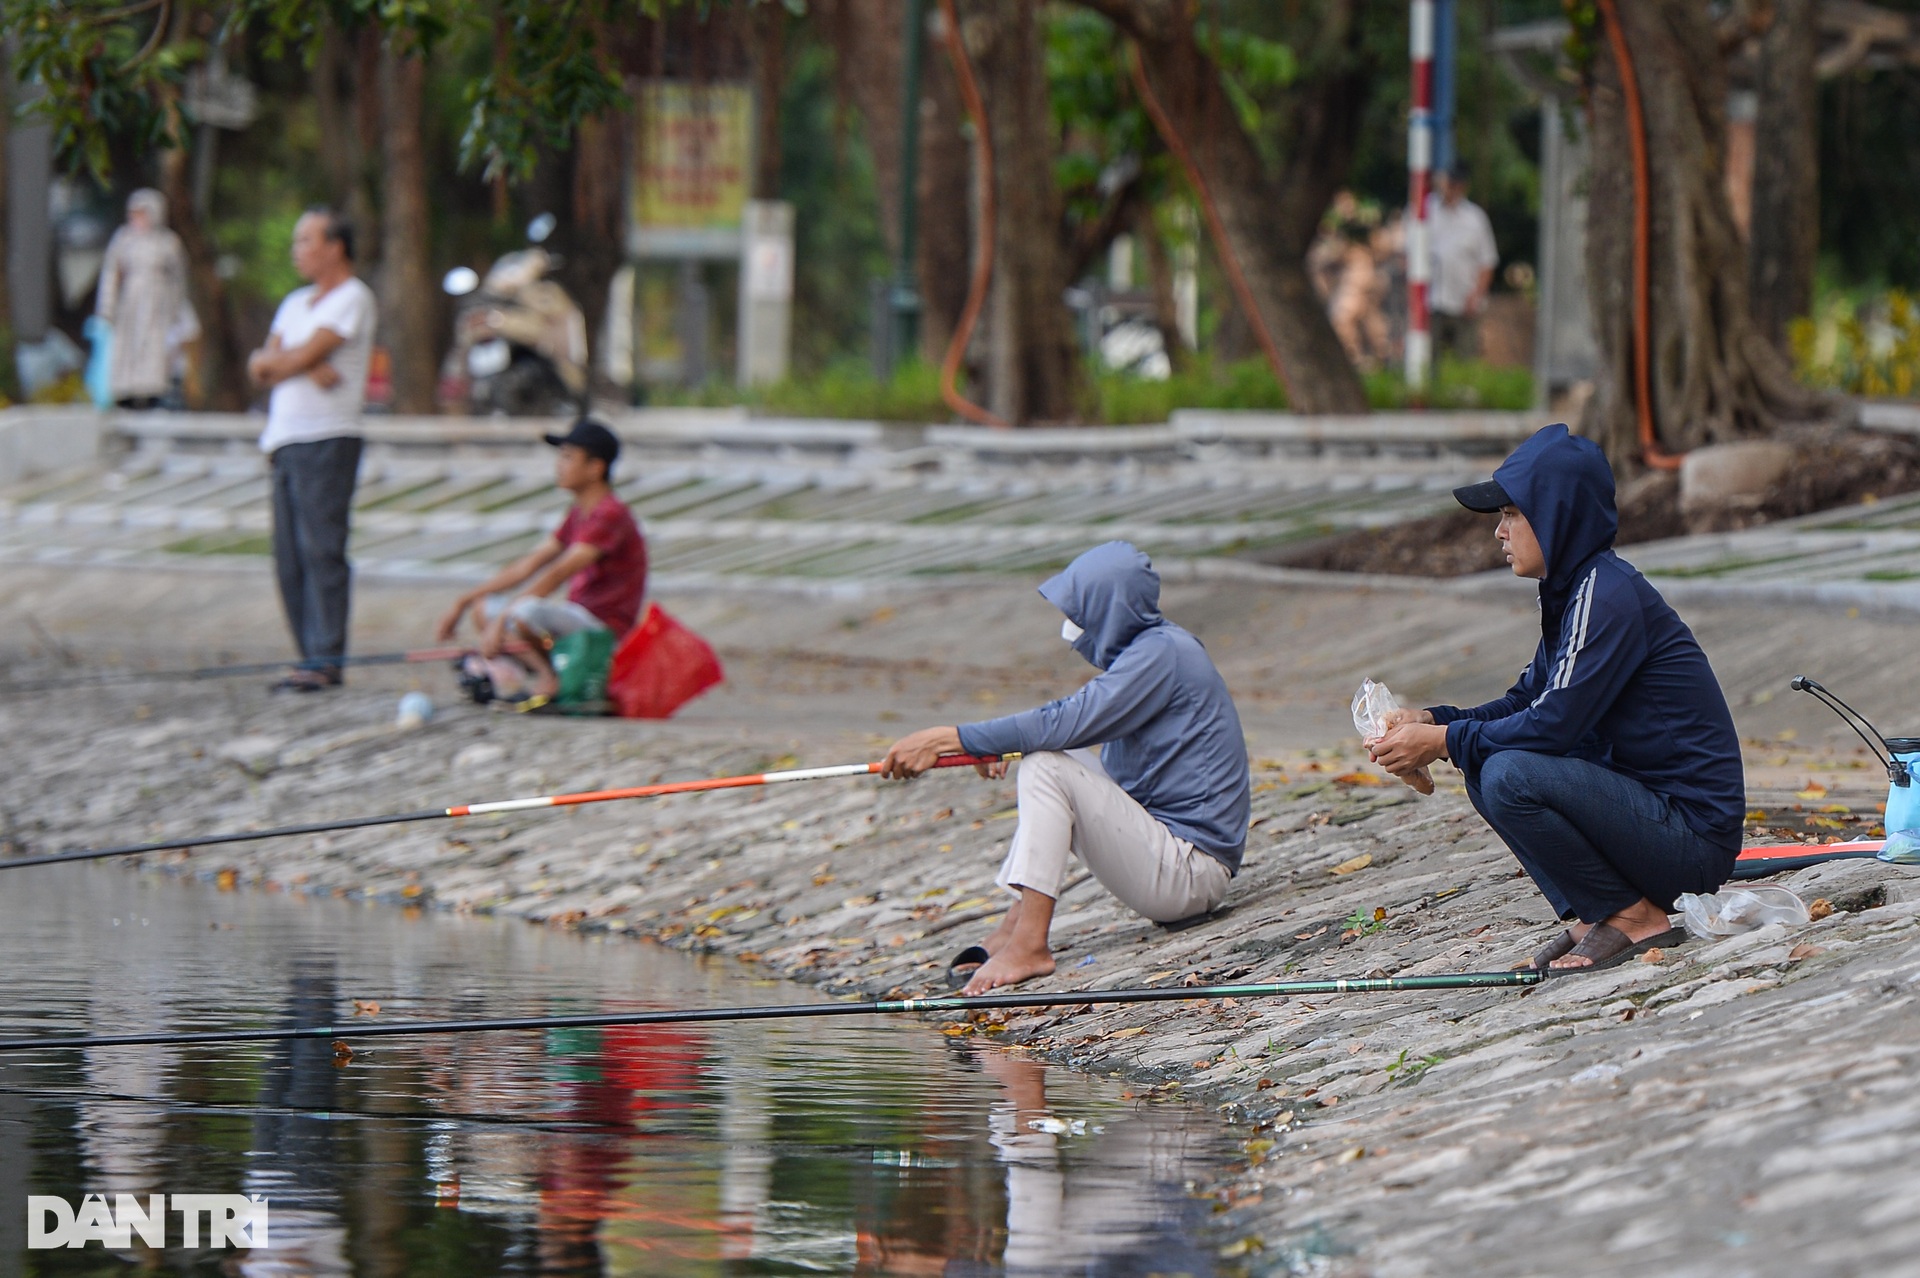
611 587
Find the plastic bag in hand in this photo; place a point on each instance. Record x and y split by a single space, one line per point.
1371 706
1738 910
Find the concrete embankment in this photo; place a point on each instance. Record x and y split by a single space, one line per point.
1744 1107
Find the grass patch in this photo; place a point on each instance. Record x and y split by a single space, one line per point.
848 390
222 544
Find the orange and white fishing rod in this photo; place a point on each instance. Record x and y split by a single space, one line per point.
493 807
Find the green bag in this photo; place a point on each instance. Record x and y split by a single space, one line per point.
580 662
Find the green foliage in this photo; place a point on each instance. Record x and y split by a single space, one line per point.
1249 384
1457 385
111 72
104 70
847 389
1402 1070
1862 345
1252 69
1366 923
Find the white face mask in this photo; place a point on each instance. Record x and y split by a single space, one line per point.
1069 631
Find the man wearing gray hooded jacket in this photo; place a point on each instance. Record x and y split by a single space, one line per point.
1142 773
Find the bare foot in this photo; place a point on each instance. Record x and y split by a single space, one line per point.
1004 933
1641 920
1012 965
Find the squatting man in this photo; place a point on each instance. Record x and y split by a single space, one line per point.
1611 769
1141 774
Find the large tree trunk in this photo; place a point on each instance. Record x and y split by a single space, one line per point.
1269 219
946 203
598 222
1033 358
1715 377
223 359
1785 239
9 379
405 278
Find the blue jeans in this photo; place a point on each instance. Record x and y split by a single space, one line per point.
1594 841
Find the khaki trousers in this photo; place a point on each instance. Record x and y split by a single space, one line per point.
1070 806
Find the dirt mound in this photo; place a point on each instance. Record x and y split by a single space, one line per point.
1831 468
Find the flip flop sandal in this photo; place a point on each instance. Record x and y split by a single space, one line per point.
970 958
1547 953
1608 946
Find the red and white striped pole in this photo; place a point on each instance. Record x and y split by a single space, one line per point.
1419 348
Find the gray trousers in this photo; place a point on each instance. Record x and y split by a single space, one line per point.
1070 806
312 503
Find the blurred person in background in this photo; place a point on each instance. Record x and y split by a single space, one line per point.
143 297
315 362
1460 240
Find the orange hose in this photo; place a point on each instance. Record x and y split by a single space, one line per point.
1650 451
1244 294
983 246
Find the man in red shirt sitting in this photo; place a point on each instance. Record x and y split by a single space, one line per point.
597 546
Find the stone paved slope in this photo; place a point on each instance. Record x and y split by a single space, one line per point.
1742 1108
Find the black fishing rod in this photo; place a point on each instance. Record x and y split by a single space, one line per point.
1897 771
113 678
795 1011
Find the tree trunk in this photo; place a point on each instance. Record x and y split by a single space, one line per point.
597 203
766 30
1785 239
1159 263
946 203
405 279
1033 358
9 379
866 38
1269 220
223 359
1715 377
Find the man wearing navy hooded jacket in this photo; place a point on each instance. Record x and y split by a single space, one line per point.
1158 813
1611 768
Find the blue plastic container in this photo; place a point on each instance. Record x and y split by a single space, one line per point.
1903 801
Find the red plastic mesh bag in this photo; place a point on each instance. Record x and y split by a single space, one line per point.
659 667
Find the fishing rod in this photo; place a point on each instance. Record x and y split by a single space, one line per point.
485 809
108 678
795 1011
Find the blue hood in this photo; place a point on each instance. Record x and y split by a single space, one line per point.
1564 487
1113 594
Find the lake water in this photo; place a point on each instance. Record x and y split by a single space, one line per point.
869 1146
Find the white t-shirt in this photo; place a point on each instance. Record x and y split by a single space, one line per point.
1461 244
300 410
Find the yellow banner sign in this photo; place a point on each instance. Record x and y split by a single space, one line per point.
695 156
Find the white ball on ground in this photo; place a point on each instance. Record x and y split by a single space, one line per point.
415 709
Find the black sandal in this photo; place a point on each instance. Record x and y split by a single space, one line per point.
1607 946
1547 953
308 679
970 958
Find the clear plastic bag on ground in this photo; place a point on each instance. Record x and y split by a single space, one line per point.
1901 848
1738 910
1371 706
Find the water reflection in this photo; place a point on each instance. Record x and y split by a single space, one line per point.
763 1148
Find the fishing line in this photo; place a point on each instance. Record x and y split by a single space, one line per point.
489 808
795 1011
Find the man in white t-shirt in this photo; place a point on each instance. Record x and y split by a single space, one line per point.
1463 256
315 361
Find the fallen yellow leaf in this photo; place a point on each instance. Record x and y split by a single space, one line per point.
1348 866
1129 1032
1814 790
1359 778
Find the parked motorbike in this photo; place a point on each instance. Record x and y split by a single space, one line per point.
519 342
